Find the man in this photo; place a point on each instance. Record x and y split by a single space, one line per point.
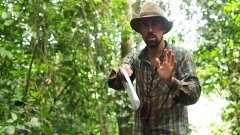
166 80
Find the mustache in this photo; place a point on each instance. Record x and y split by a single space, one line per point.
151 34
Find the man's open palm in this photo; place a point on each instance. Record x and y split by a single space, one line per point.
166 69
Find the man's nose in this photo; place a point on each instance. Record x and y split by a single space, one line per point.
150 29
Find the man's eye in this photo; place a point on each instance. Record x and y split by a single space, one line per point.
155 23
144 25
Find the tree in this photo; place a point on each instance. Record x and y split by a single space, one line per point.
55 58
218 57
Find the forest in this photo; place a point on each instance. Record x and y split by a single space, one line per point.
56 56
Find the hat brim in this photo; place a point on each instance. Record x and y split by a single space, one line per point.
135 23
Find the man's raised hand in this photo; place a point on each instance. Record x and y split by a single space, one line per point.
166 69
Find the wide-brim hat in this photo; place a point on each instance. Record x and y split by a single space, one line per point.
151 9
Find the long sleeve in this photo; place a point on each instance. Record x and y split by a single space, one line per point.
186 85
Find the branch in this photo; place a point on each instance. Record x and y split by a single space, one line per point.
62 91
25 92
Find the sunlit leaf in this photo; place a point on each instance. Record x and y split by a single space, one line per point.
14 116
4 15
8 22
34 122
10 130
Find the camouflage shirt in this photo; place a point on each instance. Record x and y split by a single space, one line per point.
168 105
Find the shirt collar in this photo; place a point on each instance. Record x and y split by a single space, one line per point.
144 53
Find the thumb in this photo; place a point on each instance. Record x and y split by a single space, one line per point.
157 63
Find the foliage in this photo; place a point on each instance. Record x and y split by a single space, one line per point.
55 58
218 56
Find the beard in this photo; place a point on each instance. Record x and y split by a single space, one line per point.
152 43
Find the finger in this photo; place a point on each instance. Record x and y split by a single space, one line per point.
165 55
128 66
125 66
157 63
169 56
128 69
174 65
172 60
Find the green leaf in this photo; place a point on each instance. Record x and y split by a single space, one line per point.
100 59
9 54
14 116
4 15
10 130
5 53
21 127
34 122
34 94
8 22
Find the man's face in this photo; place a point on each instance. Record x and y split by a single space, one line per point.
152 31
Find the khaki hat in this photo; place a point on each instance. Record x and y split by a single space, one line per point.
151 9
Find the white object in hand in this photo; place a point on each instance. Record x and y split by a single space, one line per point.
130 90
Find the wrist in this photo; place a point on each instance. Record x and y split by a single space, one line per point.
176 84
170 82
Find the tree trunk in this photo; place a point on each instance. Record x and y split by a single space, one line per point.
124 124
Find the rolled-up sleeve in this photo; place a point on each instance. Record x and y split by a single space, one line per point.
113 81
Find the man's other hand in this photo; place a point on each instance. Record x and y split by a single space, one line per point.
127 68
